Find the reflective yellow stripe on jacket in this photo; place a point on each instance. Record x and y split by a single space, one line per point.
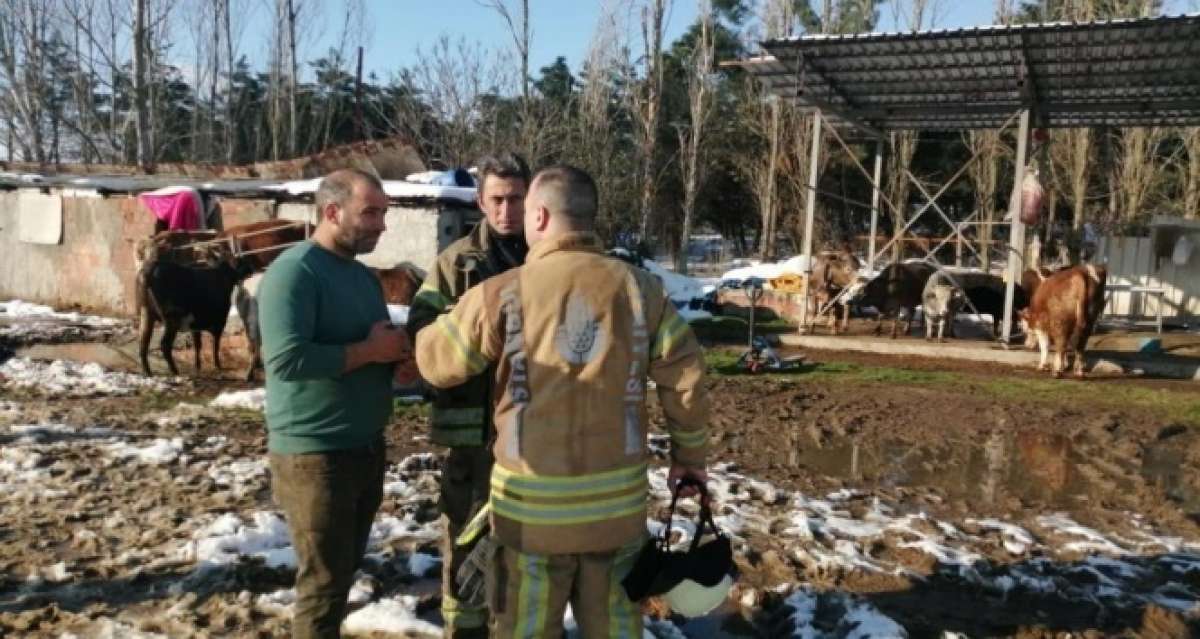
670 332
457 426
431 295
548 501
474 360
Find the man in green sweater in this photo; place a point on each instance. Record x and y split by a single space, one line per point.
329 353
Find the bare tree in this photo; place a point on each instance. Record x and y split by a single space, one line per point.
452 77
1136 172
647 105
24 70
519 29
141 99
1191 191
692 164
293 72
589 139
911 15
985 176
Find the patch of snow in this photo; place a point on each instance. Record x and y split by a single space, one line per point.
21 310
109 629
1092 540
362 590
860 620
254 399
395 189
277 603
238 474
765 271
228 538
392 616
159 451
71 379
1016 539
421 564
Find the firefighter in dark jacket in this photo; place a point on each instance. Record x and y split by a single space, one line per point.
462 415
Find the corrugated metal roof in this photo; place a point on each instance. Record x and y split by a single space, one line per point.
397 190
1140 72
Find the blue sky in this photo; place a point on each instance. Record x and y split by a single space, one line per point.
560 27
394 29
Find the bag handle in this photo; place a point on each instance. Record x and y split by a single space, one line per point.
704 518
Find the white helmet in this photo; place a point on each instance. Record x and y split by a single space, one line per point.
693 599
694 582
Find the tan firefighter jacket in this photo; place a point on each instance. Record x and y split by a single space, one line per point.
461 415
574 335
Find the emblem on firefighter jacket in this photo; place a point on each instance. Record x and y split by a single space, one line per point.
579 338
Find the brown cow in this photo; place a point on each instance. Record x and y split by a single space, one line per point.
254 241
832 272
1063 311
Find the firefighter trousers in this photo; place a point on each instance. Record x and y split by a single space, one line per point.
466 472
529 594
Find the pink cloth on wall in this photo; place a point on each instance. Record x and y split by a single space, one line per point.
179 210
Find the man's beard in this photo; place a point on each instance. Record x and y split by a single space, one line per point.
353 243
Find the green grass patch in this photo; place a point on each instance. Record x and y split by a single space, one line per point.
1177 405
723 362
1182 406
727 329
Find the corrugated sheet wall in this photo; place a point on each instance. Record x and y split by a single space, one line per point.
1131 261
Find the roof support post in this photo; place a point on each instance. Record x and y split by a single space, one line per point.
876 189
814 165
1016 239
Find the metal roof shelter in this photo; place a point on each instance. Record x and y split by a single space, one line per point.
1125 73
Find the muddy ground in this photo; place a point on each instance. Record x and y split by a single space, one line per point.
947 497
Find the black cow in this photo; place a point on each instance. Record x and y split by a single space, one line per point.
989 300
899 286
192 297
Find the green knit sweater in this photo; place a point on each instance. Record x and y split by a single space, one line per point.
312 303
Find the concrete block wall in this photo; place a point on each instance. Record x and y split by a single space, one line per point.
91 269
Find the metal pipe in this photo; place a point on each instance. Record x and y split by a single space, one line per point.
876 188
1016 238
810 210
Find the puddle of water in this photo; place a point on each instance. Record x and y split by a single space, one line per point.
1025 465
106 355
1164 464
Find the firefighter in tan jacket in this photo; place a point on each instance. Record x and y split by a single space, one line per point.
461 415
573 335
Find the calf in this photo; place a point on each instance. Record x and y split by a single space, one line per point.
832 272
186 297
897 288
1063 312
245 299
260 243
178 246
400 284
940 300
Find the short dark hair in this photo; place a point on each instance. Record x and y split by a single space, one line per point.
574 192
339 185
505 165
